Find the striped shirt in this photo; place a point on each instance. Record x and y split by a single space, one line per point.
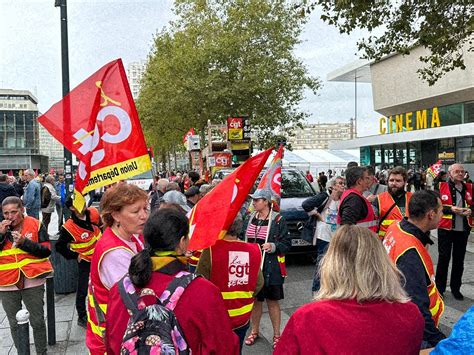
257 231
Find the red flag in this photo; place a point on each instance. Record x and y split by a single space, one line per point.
214 213
272 179
98 122
434 169
185 137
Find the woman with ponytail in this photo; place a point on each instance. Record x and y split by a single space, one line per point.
200 311
124 211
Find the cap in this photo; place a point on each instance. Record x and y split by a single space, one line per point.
177 198
192 191
265 194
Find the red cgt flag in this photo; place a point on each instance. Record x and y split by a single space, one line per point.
271 181
98 123
434 169
214 213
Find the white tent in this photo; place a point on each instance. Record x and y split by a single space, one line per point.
317 160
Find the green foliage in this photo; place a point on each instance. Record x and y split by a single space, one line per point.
445 27
224 58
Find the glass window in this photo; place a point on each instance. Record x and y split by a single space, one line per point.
378 156
451 114
469 112
465 155
465 142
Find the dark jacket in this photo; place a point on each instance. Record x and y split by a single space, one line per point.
280 236
318 201
7 190
417 281
352 209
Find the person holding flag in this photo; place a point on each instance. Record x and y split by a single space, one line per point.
266 227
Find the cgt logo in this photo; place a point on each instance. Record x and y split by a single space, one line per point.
234 123
239 268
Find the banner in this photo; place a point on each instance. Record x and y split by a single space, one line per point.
434 169
215 212
98 123
186 136
271 180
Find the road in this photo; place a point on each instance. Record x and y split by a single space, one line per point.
298 292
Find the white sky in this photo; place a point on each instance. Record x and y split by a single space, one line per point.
103 30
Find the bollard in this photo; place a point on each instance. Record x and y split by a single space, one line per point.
23 332
50 310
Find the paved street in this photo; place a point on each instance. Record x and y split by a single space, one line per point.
70 337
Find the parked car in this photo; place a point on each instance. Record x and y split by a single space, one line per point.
143 180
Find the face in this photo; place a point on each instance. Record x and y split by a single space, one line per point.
366 180
260 204
456 172
396 184
13 213
132 217
61 178
436 215
29 177
339 186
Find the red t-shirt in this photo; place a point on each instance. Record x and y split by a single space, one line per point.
200 312
346 327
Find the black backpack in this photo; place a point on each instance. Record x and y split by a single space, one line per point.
154 328
45 197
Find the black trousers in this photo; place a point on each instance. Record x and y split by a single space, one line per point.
456 242
82 283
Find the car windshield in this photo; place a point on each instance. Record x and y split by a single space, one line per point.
146 175
294 184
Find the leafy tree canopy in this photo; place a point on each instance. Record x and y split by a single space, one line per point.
224 58
445 27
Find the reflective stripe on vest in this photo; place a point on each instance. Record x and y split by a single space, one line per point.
236 294
75 246
240 311
102 306
97 330
397 242
385 202
24 262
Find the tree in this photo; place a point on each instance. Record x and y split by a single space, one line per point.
445 27
220 59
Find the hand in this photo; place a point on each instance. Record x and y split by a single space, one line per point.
4 226
466 212
267 247
79 258
371 198
18 239
457 210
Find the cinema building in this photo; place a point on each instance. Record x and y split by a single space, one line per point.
418 124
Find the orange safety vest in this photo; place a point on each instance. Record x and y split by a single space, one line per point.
397 242
14 261
448 201
385 201
235 268
98 294
84 239
369 221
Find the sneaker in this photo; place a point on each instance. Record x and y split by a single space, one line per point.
82 322
458 295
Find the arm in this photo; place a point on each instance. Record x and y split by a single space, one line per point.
28 196
54 196
314 202
282 239
260 282
62 245
40 249
352 210
204 265
416 285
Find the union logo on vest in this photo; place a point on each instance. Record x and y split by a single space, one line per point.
239 268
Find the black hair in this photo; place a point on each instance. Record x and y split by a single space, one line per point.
352 164
370 170
194 176
421 203
162 232
353 174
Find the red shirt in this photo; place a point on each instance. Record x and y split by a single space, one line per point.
343 327
200 312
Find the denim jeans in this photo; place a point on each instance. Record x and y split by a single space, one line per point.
321 248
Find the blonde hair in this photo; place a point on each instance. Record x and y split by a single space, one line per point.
356 266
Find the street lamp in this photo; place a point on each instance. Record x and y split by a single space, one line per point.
62 4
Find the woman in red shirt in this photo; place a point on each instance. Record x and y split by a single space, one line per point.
361 307
200 311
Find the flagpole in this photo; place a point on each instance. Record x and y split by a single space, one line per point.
267 234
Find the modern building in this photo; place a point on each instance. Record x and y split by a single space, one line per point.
418 124
52 148
19 132
318 135
135 72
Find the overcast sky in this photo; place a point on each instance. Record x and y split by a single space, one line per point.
103 30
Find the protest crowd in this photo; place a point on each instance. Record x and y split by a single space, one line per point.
141 287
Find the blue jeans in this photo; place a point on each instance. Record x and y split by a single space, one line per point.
321 248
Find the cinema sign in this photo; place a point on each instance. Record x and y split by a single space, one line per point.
410 121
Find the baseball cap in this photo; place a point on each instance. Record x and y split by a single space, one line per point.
265 194
177 198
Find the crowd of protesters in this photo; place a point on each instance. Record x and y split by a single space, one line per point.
374 286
